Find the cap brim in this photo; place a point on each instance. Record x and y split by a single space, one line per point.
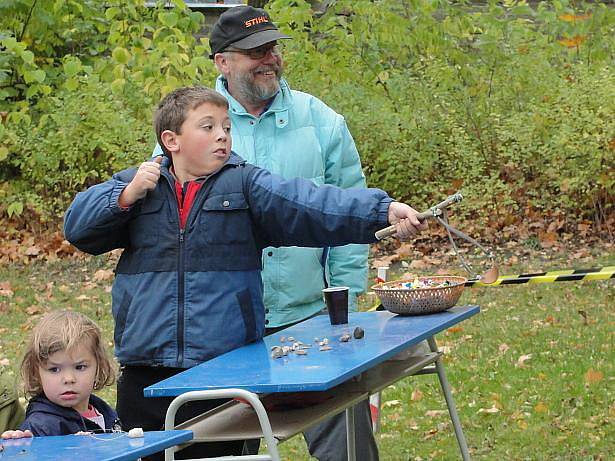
259 38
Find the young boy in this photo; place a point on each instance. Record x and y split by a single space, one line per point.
193 227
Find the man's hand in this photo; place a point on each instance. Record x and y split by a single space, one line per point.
403 217
16 434
145 179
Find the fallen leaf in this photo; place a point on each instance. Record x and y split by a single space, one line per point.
418 264
540 407
384 261
455 329
489 411
429 434
547 239
434 413
593 376
572 42
391 403
103 274
5 362
34 309
82 298
32 251
6 290
405 250
503 348
522 359
416 395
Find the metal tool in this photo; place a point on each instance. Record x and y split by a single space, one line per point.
438 212
431 213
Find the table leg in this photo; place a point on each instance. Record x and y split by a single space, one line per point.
450 403
350 434
249 397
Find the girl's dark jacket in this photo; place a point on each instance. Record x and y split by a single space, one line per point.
43 417
183 296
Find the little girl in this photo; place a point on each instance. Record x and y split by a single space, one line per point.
65 361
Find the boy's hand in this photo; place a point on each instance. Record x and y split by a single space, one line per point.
145 179
405 220
16 434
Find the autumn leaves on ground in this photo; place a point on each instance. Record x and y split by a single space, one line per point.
533 374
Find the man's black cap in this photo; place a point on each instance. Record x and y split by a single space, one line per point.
244 27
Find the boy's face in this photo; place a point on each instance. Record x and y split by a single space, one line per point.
68 377
204 144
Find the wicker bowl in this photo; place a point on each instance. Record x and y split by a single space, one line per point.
418 301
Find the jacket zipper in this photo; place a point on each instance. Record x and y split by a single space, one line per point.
180 298
180 275
180 262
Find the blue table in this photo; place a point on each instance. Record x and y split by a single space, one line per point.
340 377
99 447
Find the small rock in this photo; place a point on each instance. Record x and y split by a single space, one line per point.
276 354
358 333
282 339
301 352
325 348
291 339
344 338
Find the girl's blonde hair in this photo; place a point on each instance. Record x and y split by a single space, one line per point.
60 331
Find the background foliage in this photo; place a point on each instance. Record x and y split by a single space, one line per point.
511 103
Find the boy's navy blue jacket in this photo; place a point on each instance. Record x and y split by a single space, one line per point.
43 417
181 297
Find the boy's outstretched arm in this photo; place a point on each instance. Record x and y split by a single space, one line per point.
404 218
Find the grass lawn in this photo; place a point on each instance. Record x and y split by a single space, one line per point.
533 375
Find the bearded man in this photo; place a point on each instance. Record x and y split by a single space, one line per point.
293 134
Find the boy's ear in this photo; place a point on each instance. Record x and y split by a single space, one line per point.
170 140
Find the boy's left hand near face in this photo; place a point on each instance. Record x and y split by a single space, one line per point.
404 218
145 179
16 434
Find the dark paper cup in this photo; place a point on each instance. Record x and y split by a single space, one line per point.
336 299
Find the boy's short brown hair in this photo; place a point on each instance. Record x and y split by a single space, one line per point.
59 331
174 107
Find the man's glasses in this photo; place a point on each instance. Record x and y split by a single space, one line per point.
260 52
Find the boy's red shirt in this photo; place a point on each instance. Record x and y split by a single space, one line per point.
186 194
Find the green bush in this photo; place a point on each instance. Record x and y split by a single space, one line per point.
78 84
508 102
82 138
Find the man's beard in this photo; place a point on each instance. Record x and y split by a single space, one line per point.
256 92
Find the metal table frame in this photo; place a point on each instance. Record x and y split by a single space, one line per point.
237 421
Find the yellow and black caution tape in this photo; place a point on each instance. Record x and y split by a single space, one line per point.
567 275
